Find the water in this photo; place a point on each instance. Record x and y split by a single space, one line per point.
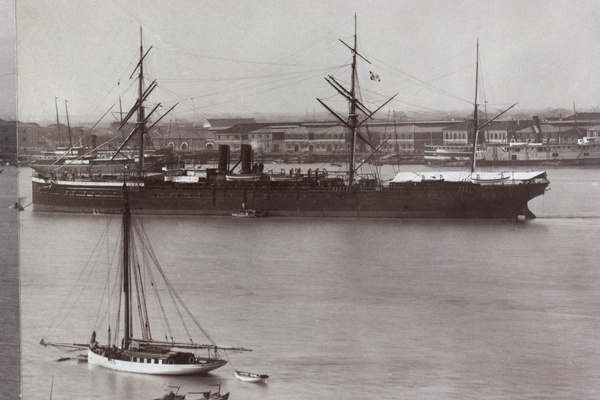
346 308
9 284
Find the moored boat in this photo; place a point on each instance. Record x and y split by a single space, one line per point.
250 376
138 352
351 194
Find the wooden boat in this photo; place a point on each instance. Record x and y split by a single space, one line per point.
243 178
174 395
489 177
250 377
138 352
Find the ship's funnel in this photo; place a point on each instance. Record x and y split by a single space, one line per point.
246 159
223 158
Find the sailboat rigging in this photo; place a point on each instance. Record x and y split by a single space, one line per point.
138 352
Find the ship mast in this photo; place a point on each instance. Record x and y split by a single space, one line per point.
141 120
476 127
352 122
352 116
475 112
57 121
126 270
69 128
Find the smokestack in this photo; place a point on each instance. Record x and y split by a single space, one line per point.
94 143
223 158
246 159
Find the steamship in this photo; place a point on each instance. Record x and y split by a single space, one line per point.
319 193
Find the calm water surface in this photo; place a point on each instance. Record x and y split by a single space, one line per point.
9 284
347 308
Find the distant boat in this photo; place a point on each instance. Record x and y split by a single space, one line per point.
216 396
138 352
250 377
172 395
249 214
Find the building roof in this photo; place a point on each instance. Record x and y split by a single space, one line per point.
549 129
227 122
584 116
507 125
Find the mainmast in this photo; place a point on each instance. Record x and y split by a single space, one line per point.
126 269
352 122
475 113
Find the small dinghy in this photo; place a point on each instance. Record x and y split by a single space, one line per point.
250 377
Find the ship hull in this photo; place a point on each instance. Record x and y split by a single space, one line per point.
410 200
152 367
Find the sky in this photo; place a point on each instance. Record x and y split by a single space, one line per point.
236 58
8 80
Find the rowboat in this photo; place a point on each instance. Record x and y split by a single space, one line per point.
250 377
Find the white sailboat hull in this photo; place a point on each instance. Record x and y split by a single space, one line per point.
149 367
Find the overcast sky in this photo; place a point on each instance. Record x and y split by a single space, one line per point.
7 60
239 57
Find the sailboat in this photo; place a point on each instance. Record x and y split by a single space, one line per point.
130 350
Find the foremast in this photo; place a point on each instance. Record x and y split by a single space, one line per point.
141 125
352 122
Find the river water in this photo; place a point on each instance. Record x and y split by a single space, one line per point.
9 284
348 308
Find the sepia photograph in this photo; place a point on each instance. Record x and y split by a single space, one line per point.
287 199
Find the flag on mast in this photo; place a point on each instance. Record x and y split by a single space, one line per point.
374 76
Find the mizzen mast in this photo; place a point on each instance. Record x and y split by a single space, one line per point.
476 126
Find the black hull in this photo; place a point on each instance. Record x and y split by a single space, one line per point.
411 200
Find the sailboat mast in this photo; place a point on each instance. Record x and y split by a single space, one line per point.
126 269
352 117
141 122
475 113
